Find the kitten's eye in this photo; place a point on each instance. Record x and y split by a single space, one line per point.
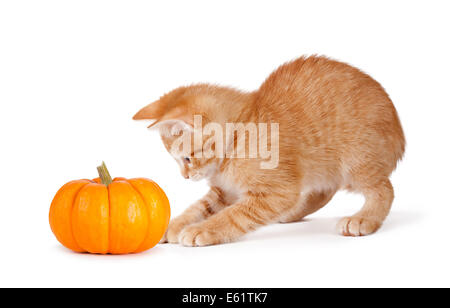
187 159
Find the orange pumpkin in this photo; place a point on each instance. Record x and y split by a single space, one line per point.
108 216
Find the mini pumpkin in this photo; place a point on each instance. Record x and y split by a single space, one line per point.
108 216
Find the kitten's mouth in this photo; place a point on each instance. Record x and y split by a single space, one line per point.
196 177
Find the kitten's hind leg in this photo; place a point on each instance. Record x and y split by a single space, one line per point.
308 204
379 196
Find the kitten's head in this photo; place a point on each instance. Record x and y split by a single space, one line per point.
173 116
193 164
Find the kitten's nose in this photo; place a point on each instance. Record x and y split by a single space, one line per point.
186 176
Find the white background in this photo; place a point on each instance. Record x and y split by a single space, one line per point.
72 74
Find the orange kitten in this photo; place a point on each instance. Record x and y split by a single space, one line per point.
336 128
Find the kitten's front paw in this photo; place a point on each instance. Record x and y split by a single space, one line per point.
196 236
163 239
173 231
357 226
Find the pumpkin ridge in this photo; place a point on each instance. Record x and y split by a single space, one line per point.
109 220
148 214
71 213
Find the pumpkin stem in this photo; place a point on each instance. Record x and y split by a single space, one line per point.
104 175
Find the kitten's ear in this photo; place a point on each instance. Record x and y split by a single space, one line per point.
170 120
151 112
172 127
174 122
